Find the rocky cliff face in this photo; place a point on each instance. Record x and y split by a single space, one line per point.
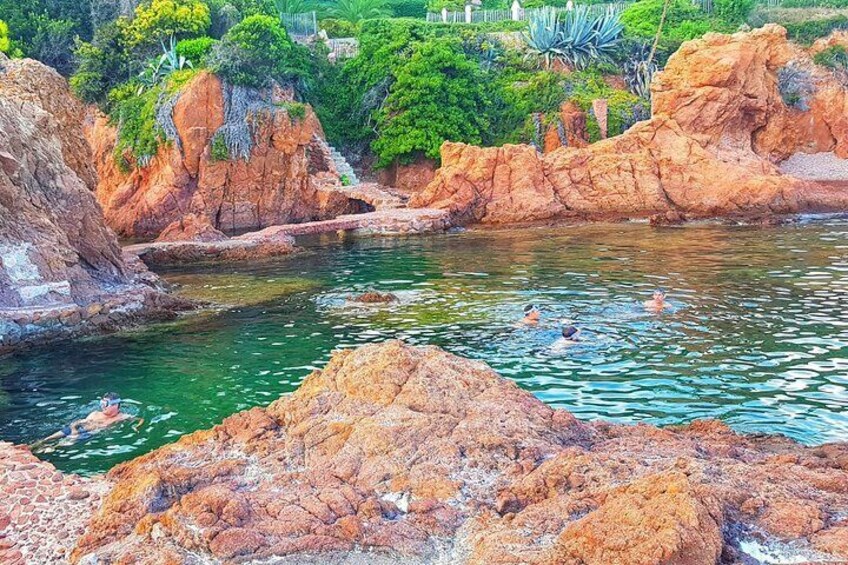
719 127
401 454
279 183
59 263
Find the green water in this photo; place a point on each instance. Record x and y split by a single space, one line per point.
756 336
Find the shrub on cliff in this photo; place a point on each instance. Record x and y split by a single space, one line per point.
195 50
157 20
103 64
806 32
5 42
684 21
437 95
257 51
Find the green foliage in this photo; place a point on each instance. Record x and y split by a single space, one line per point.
103 64
157 20
834 58
437 95
409 8
733 11
5 42
219 149
357 10
339 28
808 31
684 21
168 62
195 50
135 117
624 108
256 51
46 29
295 110
814 4
291 6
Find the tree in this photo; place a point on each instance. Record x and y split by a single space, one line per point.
158 20
438 94
256 51
358 10
5 42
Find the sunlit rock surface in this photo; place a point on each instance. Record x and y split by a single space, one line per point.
395 453
719 128
61 268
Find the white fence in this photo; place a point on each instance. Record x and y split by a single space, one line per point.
471 16
305 24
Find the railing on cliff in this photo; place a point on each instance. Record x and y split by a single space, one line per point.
305 24
516 13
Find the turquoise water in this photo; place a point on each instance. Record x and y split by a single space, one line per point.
756 335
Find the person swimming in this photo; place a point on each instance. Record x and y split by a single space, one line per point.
567 339
108 415
531 315
657 303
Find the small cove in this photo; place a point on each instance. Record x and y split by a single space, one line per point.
757 334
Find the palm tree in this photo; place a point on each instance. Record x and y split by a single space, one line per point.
356 10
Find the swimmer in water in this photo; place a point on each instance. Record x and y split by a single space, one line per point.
567 339
657 303
531 315
109 414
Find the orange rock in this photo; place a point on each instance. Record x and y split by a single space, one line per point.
274 186
399 452
718 126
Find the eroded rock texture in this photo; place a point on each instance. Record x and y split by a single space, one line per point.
719 127
60 266
280 182
404 454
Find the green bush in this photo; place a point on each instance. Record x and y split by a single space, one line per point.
814 4
5 42
157 20
219 149
135 117
438 94
834 58
733 11
684 21
102 65
195 50
295 110
807 32
339 28
409 8
256 51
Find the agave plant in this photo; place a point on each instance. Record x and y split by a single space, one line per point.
544 36
168 62
576 38
639 71
357 10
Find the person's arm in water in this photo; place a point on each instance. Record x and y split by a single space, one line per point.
72 429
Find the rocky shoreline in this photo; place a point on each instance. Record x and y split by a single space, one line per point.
398 453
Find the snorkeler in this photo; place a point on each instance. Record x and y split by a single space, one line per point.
567 339
109 414
531 315
657 303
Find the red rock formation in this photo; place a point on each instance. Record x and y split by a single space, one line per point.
274 186
570 131
414 455
718 125
61 268
411 177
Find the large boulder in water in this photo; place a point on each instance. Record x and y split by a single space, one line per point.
395 453
719 126
275 182
60 266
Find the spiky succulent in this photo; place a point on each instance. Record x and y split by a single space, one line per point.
575 38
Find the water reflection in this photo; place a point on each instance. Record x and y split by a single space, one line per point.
755 335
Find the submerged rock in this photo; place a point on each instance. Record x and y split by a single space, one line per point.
414 455
374 297
719 126
61 269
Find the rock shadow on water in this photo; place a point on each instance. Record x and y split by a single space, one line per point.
237 289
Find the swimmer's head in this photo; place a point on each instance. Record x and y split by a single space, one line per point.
110 404
569 332
659 295
531 312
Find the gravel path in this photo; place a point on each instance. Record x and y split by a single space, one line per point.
43 511
816 166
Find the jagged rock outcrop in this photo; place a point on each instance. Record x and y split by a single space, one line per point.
61 268
719 127
410 454
276 185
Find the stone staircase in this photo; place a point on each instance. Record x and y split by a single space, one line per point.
342 166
